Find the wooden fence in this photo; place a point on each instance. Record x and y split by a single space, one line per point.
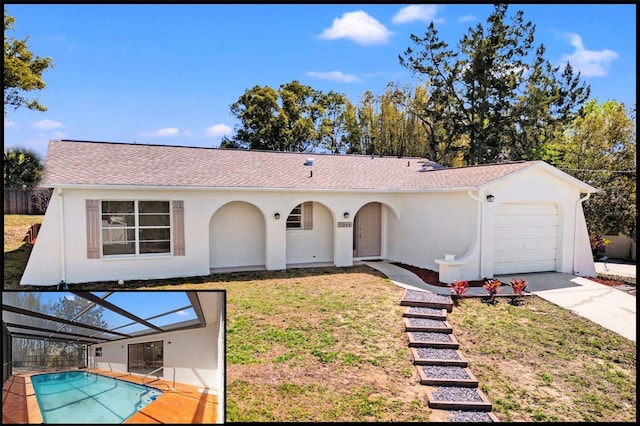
26 201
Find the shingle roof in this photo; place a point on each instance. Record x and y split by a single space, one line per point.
70 163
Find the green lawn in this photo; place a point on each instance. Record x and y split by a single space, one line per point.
328 344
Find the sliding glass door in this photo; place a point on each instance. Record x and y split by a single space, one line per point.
146 357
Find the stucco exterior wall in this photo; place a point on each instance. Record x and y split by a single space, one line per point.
237 236
227 228
431 225
194 353
314 245
540 186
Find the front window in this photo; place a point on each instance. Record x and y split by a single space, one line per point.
135 227
294 220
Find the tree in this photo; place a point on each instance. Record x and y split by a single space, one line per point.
333 124
495 92
79 310
599 147
287 119
22 71
22 168
259 112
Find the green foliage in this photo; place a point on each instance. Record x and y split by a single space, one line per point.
22 167
496 90
22 71
295 118
599 148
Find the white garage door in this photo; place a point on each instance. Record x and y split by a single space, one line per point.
526 238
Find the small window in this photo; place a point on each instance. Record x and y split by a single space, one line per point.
98 352
294 221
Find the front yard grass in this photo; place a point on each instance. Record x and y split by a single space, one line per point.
328 344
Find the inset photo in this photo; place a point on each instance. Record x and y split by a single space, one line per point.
113 357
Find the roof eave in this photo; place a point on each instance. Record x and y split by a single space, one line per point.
252 189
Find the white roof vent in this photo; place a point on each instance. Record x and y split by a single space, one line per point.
426 168
308 162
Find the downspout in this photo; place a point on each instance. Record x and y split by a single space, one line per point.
61 224
575 228
480 225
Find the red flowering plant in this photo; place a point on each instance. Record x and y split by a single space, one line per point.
492 286
518 285
459 288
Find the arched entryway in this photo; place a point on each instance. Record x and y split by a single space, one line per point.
367 231
237 236
310 234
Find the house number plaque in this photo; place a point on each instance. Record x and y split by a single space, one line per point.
345 224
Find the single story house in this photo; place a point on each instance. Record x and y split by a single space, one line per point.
123 211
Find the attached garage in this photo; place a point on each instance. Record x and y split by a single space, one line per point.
526 238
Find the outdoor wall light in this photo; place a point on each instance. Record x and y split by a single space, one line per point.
490 198
277 216
346 215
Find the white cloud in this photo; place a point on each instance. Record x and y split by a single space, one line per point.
466 18
218 130
70 297
334 76
359 27
166 132
415 12
182 313
590 63
46 124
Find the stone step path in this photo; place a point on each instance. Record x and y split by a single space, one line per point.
439 362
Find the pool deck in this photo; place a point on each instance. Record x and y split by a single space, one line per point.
185 404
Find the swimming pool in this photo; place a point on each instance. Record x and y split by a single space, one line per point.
83 397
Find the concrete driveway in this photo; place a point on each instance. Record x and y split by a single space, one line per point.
612 308
609 307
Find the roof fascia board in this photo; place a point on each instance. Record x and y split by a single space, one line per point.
197 307
254 189
548 168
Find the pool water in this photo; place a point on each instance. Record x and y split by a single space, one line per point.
83 397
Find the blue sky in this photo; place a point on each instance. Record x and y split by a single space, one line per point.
167 73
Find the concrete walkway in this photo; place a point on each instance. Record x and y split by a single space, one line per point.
613 309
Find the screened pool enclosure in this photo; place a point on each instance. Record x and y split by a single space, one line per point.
139 332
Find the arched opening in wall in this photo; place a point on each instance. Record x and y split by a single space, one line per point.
367 231
310 235
237 237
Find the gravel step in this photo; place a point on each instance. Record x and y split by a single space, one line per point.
458 398
422 339
426 299
446 375
472 416
424 312
438 356
427 324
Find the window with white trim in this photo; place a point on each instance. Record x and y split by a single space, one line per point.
135 227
